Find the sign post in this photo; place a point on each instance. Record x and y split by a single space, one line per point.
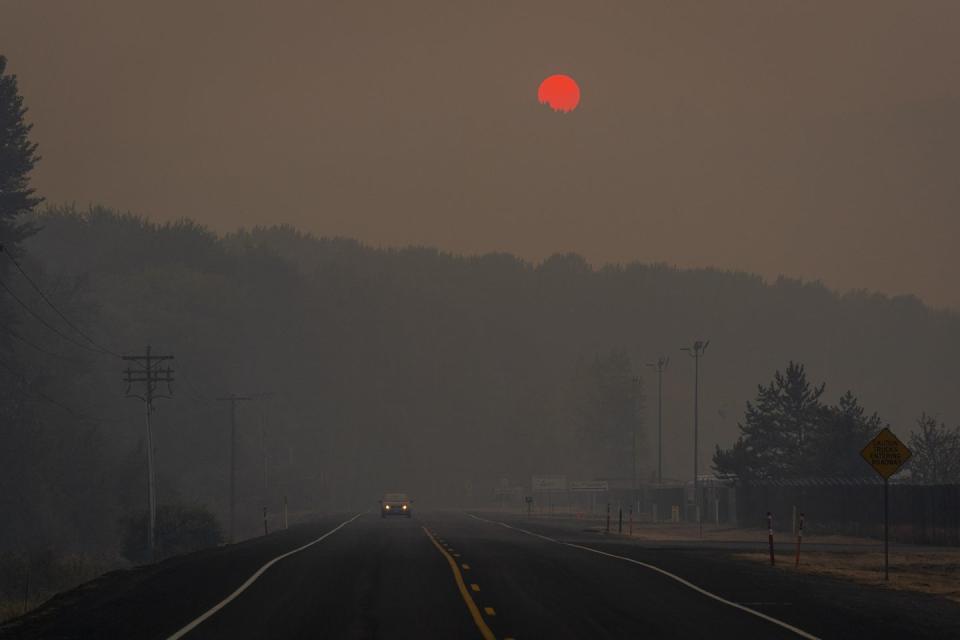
886 454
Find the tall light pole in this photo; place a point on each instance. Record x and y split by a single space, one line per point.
695 352
636 423
660 365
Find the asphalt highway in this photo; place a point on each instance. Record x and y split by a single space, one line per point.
454 574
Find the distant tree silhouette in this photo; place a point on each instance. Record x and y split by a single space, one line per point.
423 368
17 158
936 452
606 405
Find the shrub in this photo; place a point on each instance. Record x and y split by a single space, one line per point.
179 529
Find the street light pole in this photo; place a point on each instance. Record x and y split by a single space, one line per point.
639 384
695 352
660 365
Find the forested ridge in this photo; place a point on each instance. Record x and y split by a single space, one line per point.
386 367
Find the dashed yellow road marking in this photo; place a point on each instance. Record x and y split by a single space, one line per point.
461 585
475 586
489 611
465 566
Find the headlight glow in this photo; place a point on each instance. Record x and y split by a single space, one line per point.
404 507
387 507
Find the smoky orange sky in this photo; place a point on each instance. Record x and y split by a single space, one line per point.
815 139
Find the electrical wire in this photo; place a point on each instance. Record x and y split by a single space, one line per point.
29 343
63 317
19 376
47 324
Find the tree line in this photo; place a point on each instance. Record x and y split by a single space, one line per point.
789 432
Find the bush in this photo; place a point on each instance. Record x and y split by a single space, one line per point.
180 529
29 579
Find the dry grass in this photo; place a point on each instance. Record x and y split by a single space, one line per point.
935 572
713 533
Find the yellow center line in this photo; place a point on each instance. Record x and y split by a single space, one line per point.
465 566
489 611
461 585
475 586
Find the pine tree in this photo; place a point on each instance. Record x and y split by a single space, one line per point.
841 435
778 431
17 158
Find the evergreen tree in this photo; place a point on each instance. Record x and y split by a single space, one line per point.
17 158
606 407
841 435
779 429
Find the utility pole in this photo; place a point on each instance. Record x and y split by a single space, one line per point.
263 454
150 374
695 352
233 399
660 365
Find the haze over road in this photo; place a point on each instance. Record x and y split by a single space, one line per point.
521 578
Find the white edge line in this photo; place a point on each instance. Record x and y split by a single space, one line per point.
686 583
220 605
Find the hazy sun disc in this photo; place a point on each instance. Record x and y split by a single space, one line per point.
559 91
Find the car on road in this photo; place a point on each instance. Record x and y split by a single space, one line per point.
395 504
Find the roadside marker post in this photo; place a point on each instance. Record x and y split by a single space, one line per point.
620 518
886 454
608 517
799 541
770 536
631 521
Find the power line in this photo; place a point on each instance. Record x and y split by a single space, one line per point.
33 345
37 288
47 324
41 395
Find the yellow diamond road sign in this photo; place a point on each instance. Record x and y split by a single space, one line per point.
885 453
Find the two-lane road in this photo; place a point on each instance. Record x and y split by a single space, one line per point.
461 575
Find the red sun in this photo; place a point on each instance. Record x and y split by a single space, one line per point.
559 91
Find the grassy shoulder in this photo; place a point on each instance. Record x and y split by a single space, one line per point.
27 581
935 572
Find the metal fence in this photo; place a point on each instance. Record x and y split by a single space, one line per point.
919 514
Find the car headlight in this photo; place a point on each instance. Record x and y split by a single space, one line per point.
404 507
387 507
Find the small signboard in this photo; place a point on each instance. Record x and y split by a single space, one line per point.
589 485
549 483
885 453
